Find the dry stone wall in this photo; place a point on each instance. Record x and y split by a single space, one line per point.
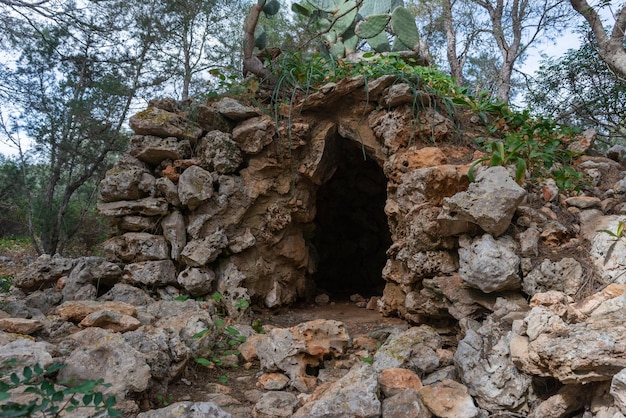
222 197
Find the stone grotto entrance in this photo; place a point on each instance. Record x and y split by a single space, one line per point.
351 235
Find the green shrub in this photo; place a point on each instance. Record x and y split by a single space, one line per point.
49 399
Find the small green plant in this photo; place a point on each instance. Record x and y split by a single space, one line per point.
164 400
49 399
223 340
6 281
530 144
368 360
619 234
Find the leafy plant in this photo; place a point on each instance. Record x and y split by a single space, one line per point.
530 144
618 235
6 282
49 399
223 340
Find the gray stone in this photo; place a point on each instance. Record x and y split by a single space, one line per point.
618 390
490 202
106 355
198 281
484 363
413 349
607 252
275 405
195 187
135 223
175 232
148 206
150 273
234 110
137 246
126 182
164 124
564 276
406 404
529 242
252 135
241 242
200 252
352 395
187 409
122 292
167 189
488 264
218 152
88 274
43 272
152 149
26 352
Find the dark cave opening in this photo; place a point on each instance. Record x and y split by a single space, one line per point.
352 234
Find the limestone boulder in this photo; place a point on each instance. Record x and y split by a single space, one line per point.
20 325
137 246
448 399
187 409
135 223
162 123
153 149
167 189
608 253
395 380
252 135
43 272
413 349
76 311
195 187
106 355
122 292
320 162
200 252
217 152
545 344
233 109
26 352
127 182
175 232
149 206
488 264
88 274
275 405
294 349
150 273
490 202
198 281
405 404
564 276
165 353
483 360
352 395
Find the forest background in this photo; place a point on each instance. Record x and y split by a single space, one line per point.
72 72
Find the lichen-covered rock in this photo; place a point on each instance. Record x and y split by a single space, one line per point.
26 352
127 181
137 246
216 151
164 124
488 264
167 189
483 360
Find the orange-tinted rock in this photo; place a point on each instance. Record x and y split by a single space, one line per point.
395 380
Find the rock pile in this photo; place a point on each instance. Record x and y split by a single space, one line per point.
516 301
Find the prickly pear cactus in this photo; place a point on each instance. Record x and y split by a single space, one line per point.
343 23
269 8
